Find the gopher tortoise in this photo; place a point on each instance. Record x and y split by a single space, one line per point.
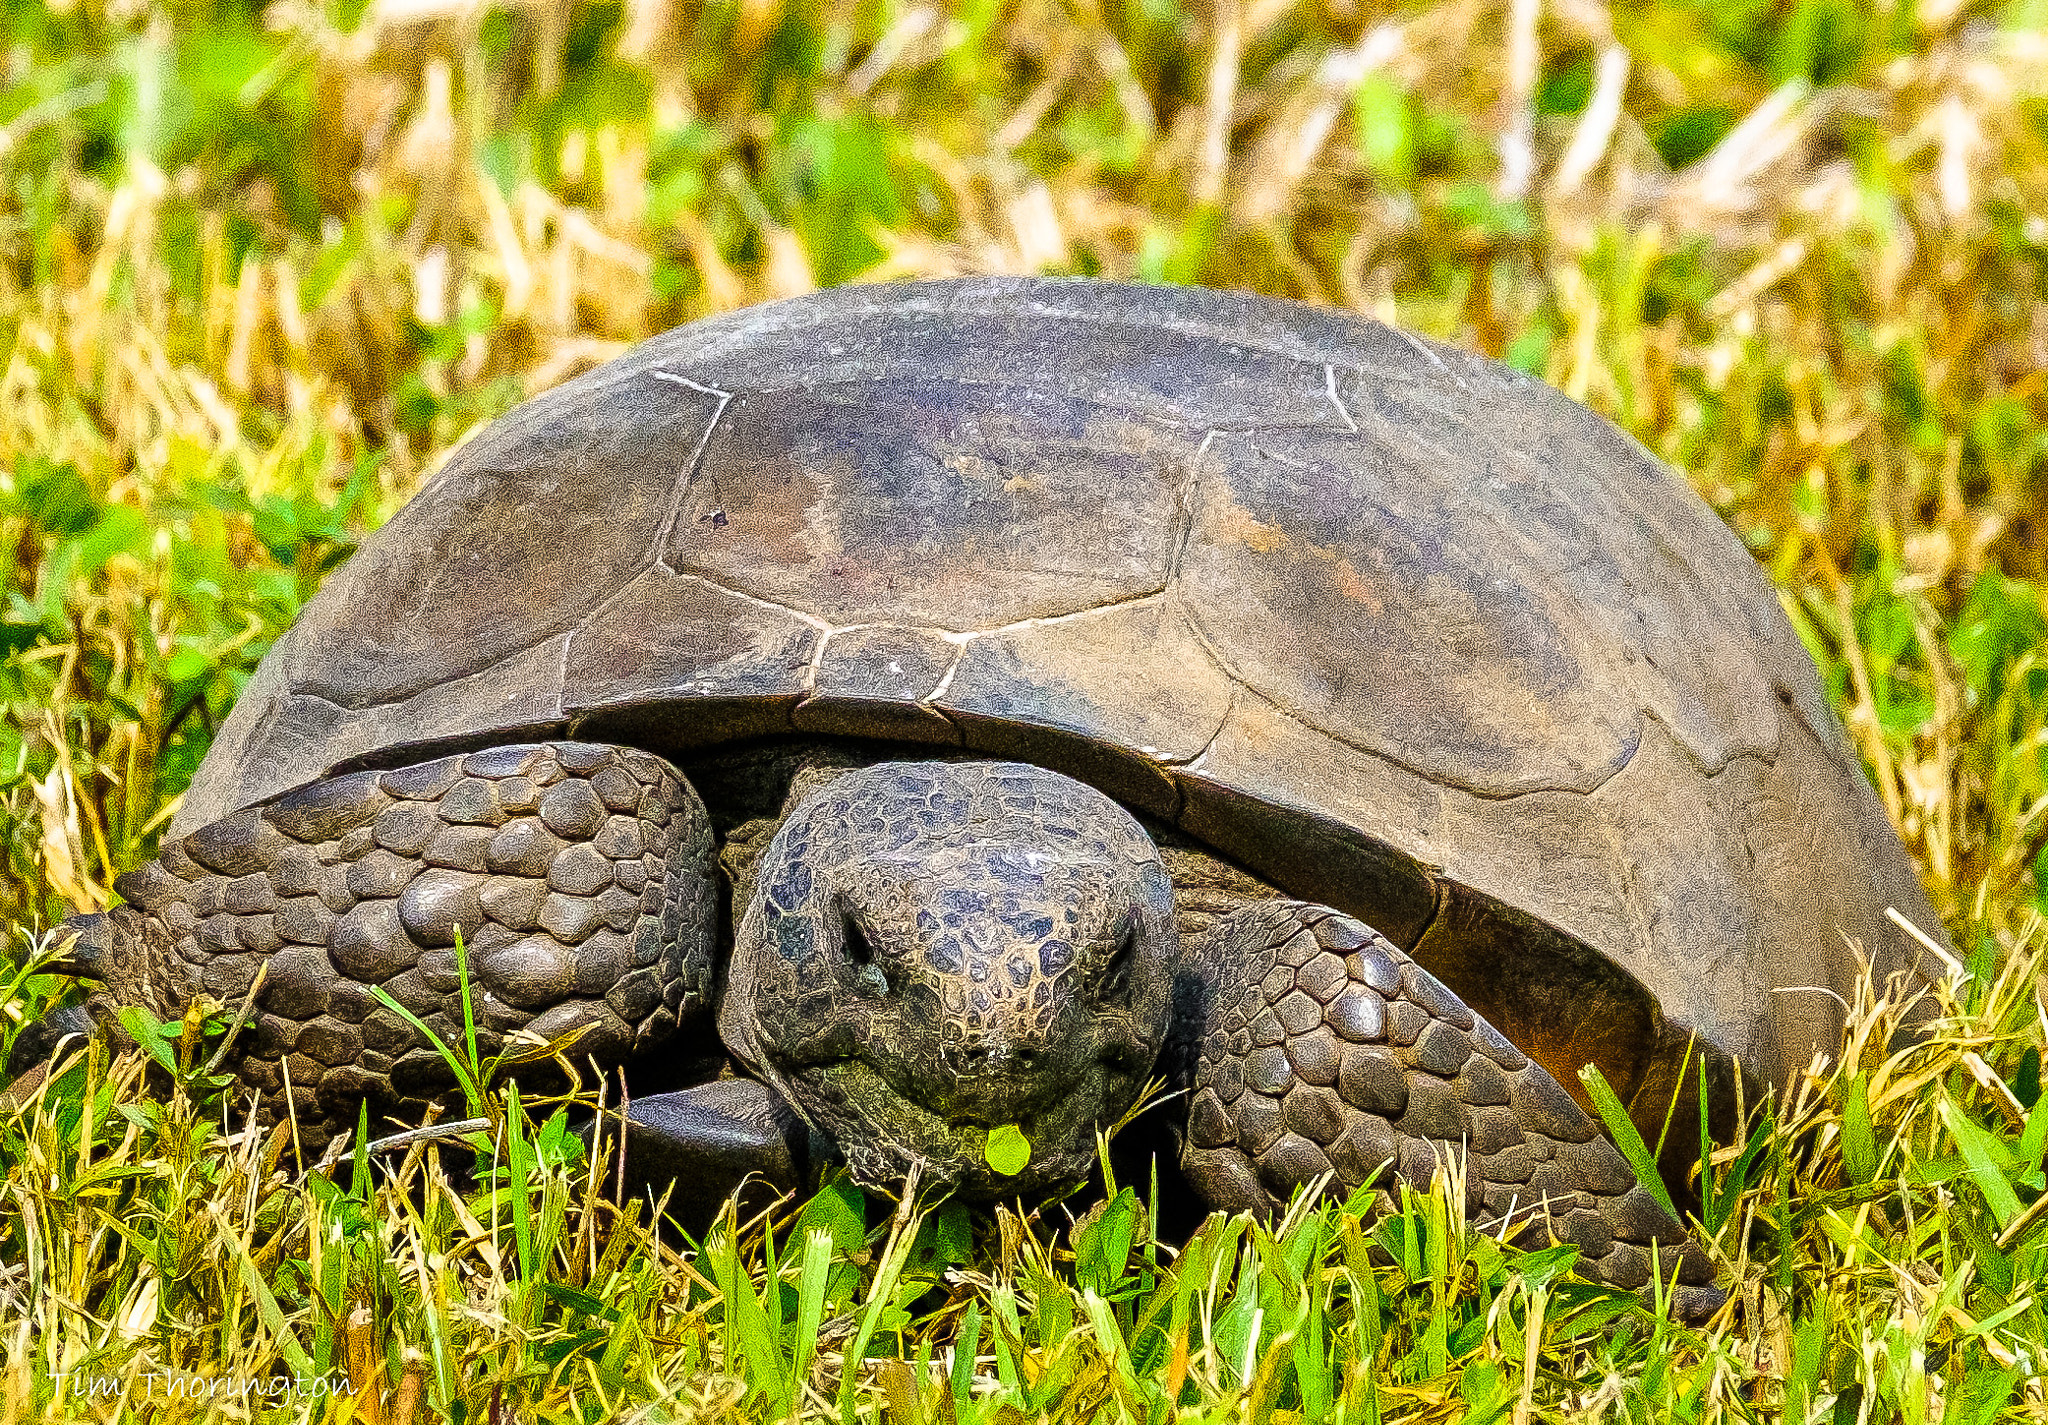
928 709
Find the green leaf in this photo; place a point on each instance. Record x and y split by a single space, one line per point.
946 1240
1104 1250
1529 353
838 1210
812 1274
1008 1150
1982 1152
1379 115
965 1348
2034 1136
122 529
152 1035
186 664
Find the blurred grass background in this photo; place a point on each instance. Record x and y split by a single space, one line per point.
263 268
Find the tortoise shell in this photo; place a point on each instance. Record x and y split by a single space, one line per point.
1395 627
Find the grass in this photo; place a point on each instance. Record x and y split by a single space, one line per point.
262 270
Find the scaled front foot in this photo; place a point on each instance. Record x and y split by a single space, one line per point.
576 875
1324 1049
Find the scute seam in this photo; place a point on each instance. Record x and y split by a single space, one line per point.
690 467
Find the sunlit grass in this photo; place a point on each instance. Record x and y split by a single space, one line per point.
262 272
1877 1227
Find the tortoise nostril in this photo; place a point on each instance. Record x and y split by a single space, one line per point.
1027 1058
859 955
854 941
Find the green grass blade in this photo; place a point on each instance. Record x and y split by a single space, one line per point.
1859 1138
1622 1130
519 1182
881 1295
965 1345
472 1091
813 1272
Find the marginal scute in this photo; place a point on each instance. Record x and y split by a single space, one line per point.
1268 1072
423 781
304 920
581 870
532 973
472 802
511 760
1544 1107
1442 1049
1298 1013
1316 1055
369 943
380 874
407 827
604 961
570 919
1292 1160
1426 990
1405 1022
1364 1149
1372 966
1481 1082
1433 1111
1596 1166
1208 1125
1315 1113
458 848
248 895
1324 978
1359 1015
524 847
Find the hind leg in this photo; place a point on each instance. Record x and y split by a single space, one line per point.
577 876
1322 1048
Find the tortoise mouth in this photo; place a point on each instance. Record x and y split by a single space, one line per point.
885 1134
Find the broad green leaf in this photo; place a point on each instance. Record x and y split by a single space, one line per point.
840 1211
1983 1152
1104 1250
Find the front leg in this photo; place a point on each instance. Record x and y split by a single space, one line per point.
577 876
694 1148
1315 1046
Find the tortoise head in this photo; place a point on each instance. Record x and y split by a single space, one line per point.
937 950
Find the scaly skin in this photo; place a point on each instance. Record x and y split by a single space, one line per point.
1313 1045
936 949
932 950
576 875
